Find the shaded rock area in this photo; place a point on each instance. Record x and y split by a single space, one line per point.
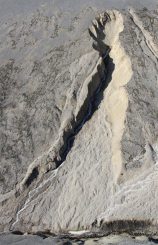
78 126
113 239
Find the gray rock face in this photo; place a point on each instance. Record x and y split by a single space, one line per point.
37 240
34 88
79 110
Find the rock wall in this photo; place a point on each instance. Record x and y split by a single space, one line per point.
79 124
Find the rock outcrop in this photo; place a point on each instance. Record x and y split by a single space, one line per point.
41 239
79 131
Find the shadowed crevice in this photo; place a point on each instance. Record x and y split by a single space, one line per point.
154 240
91 104
32 177
19 233
96 88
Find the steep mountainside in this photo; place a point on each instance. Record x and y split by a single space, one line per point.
78 125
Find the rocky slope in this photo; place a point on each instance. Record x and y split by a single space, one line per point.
79 110
112 240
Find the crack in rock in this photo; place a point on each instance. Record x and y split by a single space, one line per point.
95 94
